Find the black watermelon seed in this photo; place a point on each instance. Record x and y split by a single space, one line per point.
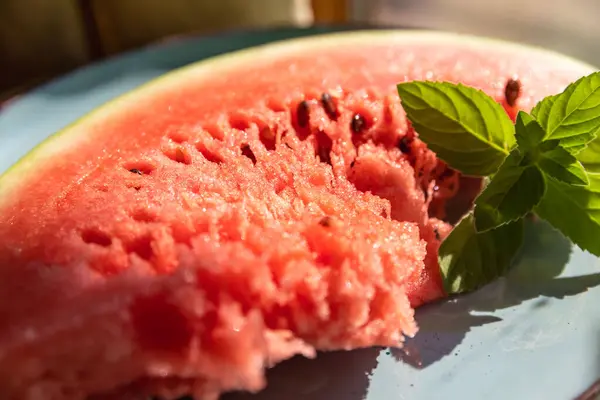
403 144
329 106
358 123
437 234
247 152
352 163
512 91
325 221
302 114
324 155
136 171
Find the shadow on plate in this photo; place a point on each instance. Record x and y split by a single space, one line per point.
535 274
334 375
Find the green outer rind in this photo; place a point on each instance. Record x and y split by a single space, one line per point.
68 137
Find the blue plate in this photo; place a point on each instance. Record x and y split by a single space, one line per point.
532 335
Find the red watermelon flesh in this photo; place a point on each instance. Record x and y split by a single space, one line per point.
229 216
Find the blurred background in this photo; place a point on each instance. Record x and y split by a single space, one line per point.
40 39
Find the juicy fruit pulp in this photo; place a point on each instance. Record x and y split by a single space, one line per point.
233 215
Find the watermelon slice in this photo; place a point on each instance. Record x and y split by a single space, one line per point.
262 204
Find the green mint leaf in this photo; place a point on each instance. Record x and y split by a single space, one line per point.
528 132
541 111
575 211
575 149
590 157
574 112
577 143
563 166
511 194
469 260
462 125
549 145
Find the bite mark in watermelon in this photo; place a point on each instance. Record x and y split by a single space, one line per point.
267 203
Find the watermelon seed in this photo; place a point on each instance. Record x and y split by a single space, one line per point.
324 155
403 144
329 106
139 167
302 114
512 90
94 236
353 163
358 123
325 221
437 234
247 152
324 145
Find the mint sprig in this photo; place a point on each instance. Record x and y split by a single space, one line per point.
561 165
464 126
572 113
548 163
575 211
512 193
589 157
468 258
